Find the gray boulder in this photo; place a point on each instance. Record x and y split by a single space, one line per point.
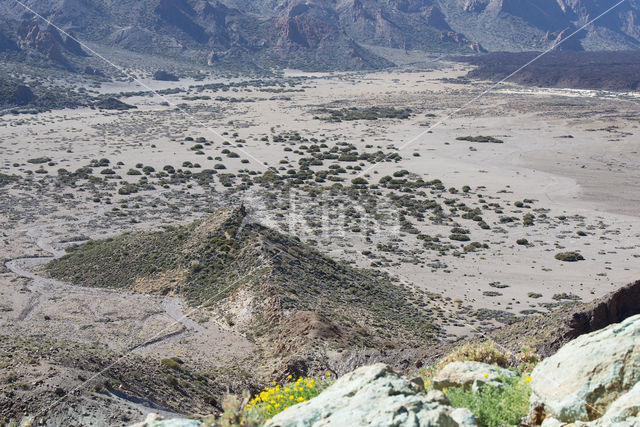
373 395
468 374
592 378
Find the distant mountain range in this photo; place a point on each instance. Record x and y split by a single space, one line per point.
313 34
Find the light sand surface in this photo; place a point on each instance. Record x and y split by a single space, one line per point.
590 180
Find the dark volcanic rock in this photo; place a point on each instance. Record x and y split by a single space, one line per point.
548 332
563 40
578 70
165 76
623 303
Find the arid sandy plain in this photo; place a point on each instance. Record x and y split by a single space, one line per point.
571 159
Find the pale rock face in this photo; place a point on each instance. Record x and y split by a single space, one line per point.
466 374
623 412
373 395
592 378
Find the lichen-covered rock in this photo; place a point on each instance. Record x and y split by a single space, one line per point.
625 411
155 420
585 377
373 395
466 374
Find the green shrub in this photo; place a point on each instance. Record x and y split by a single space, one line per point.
459 237
173 363
480 138
569 256
527 220
495 405
39 160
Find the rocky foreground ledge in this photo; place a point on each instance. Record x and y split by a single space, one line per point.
591 381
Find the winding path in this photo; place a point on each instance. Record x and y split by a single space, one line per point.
43 288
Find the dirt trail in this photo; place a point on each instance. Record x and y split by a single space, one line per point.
43 288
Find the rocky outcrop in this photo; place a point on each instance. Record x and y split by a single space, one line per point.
49 42
590 378
613 308
402 24
133 38
470 374
563 40
374 395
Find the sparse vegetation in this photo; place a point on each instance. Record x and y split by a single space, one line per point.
369 113
495 405
569 256
481 139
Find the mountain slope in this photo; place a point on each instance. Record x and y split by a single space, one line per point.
269 286
515 25
320 34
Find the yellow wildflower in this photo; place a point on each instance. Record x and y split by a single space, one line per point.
486 375
528 379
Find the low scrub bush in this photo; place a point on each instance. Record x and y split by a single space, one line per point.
500 405
569 256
